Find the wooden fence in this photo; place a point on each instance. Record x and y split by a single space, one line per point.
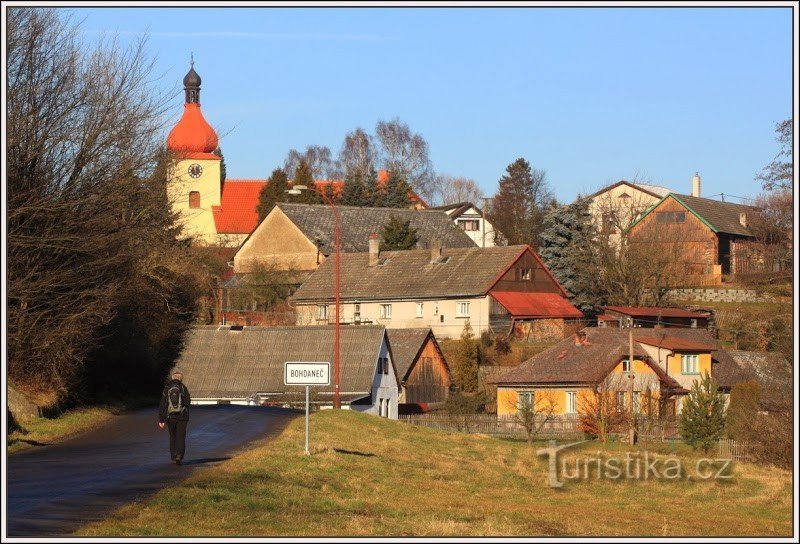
731 449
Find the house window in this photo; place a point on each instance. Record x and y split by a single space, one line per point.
470 224
626 365
357 312
689 364
621 400
525 403
524 273
462 309
572 407
435 308
636 401
609 222
384 365
194 199
419 309
386 311
322 312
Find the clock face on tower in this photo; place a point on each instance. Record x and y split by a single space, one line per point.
195 170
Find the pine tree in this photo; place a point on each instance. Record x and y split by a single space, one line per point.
702 421
273 192
353 191
396 191
223 171
465 364
303 176
373 195
397 235
568 249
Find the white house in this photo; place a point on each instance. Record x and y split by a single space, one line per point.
470 219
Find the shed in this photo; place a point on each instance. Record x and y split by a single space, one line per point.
424 375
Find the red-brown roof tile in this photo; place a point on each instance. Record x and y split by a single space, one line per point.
536 304
653 311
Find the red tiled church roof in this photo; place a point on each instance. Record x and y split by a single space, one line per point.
536 304
192 133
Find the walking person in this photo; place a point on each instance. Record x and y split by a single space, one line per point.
173 411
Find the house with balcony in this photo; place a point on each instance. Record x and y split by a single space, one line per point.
438 288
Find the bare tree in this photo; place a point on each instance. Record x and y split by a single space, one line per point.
448 189
358 155
318 158
88 216
533 411
601 410
779 174
405 153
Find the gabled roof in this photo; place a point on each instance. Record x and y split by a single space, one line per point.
530 305
406 346
770 369
653 311
585 364
653 190
402 275
316 222
219 362
675 343
720 217
237 213
456 210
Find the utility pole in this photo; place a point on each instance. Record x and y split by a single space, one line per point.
483 221
632 425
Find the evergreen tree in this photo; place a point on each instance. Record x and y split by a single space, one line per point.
396 191
568 250
223 171
398 235
373 195
519 205
702 421
465 363
272 193
303 176
353 193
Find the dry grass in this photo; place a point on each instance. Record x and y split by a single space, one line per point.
374 477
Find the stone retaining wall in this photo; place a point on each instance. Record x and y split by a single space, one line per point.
720 295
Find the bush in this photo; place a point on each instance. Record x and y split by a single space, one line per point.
702 421
487 339
502 345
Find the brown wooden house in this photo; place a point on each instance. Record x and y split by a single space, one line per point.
700 234
422 369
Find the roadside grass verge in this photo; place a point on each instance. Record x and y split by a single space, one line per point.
369 476
42 431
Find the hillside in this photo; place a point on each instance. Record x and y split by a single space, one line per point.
371 476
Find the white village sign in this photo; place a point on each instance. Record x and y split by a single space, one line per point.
308 374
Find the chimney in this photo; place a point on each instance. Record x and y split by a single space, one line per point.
696 185
436 250
374 249
743 219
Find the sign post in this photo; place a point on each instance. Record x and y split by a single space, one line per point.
307 374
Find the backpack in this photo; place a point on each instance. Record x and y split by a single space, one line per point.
175 400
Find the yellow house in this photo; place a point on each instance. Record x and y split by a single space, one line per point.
594 364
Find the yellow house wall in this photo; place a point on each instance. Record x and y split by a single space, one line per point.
277 242
198 223
686 380
404 315
507 397
610 201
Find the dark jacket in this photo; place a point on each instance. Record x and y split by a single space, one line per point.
164 404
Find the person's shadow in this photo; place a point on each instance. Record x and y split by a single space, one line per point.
204 460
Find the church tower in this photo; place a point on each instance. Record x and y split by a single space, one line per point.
195 186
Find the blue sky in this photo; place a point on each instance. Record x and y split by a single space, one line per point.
590 95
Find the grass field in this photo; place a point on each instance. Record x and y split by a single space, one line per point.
369 476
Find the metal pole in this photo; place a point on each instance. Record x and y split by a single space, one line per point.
337 403
307 405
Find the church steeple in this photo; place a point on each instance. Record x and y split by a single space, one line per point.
191 84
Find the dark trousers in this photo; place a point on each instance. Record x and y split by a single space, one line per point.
177 437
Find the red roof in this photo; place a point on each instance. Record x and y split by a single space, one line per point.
536 304
652 311
192 133
237 214
675 343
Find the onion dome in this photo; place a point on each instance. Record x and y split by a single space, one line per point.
192 134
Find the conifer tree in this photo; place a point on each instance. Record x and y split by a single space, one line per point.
397 235
465 363
396 191
353 193
303 176
702 421
223 171
272 193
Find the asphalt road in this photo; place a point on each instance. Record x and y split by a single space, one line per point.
52 490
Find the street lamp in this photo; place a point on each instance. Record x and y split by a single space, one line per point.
296 190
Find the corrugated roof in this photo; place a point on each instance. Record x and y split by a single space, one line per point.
317 221
461 272
650 311
406 345
536 304
722 216
220 363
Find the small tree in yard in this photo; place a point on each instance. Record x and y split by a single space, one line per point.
465 364
600 411
397 234
532 412
702 421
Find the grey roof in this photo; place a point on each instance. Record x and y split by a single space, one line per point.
218 362
567 362
770 369
722 216
317 222
406 345
411 274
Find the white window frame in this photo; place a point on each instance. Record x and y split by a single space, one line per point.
420 309
626 363
525 274
526 404
386 311
689 363
322 312
572 402
622 400
461 305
